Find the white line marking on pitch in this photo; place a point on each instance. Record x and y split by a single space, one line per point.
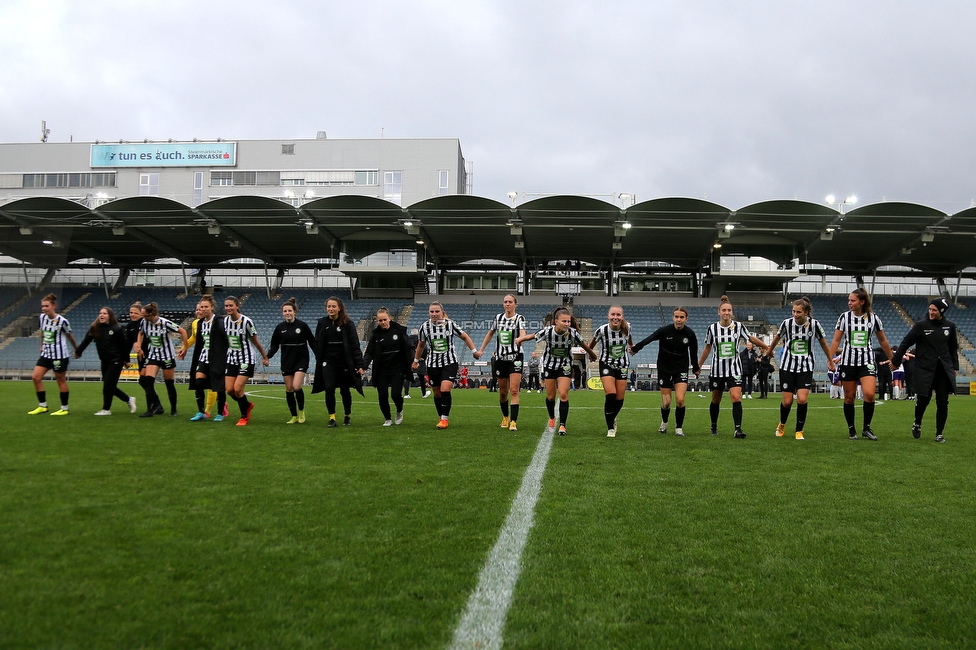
484 619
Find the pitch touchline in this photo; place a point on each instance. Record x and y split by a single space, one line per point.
484 619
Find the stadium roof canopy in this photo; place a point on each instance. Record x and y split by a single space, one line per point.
455 229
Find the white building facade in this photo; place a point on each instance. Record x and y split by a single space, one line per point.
402 171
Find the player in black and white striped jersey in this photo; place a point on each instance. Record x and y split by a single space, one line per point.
857 363
614 340
509 361
436 343
55 336
241 335
560 337
154 331
726 372
797 363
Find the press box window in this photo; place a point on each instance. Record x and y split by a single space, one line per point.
288 149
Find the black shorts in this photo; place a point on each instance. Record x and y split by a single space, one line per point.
558 373
445 373
854 373
242 370
288 372
165 364
724 383
790 382
57 365
512 364
203 369
610 371
670 378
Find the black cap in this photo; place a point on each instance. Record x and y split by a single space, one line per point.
941 304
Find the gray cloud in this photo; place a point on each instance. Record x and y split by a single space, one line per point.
739 102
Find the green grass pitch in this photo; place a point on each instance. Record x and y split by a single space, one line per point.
121 532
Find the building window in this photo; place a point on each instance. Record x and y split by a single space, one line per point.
393 186
271 179
442 179
149 184
105 179
289 182
244 178
11 181
367 178
221 179
197 188
288 149
68 180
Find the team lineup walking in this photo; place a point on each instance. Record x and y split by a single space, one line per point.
224 351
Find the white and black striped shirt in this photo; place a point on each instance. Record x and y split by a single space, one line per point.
559 347
439 342
613 344
857 330
798 341
239 334
203 331
506 331
157 337
54 341
725 342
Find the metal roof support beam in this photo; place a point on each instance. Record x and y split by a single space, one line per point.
108 294
320 230
123 277
26 278
244 242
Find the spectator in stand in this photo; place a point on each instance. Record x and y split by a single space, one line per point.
749 366
909 365
898 383
884 373
765 370
534 370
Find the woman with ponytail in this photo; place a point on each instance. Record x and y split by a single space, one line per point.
294 337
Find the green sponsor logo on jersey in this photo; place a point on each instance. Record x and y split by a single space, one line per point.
440 345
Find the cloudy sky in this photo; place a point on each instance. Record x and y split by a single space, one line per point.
737 102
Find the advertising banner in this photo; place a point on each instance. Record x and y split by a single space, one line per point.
186 154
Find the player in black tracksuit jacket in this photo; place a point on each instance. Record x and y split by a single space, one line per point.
391 355
936 364
113 350
294 337
677 349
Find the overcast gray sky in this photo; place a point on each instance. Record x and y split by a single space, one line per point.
738 102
